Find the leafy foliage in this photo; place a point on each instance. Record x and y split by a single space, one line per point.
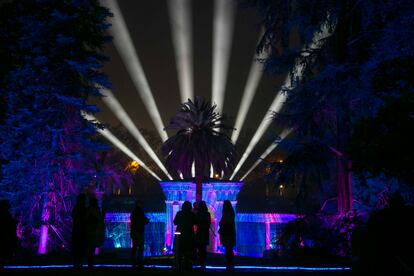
305 169
321 234
201 138
380 145
54 53
353 84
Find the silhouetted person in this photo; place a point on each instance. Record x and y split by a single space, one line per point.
387 242
8 238
79 240
184 238
202 236
138 222
94 229
227 233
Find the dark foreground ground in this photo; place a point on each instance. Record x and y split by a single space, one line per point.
119 265
156 272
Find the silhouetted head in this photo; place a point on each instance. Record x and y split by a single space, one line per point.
81 199
186 206
228 208
93 202
138 205
4 205
202 206
396 201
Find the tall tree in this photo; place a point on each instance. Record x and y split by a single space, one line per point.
335 87
201 139
54 49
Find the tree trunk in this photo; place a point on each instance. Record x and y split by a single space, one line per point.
44 228
344 182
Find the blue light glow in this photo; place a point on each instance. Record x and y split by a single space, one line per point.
241 267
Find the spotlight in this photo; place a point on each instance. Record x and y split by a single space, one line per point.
224 13
317 42
124 118
123 43
267 152
180 21
115 141
249 90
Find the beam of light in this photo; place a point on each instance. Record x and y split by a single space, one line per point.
123 43
115 141
253 80
224 13
283 135
297 71
124 118
180 21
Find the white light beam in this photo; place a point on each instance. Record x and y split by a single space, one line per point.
281 96
124 118
123 43
253 80
267 152
115 141
224 13
180 21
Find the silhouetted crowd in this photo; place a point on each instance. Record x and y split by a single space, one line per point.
88 230
383 247
8 238
192 234
191 239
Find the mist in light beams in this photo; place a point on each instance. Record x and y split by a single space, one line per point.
223 22
181 22
269 149
252 82
125 47
121 146
124 118
281 96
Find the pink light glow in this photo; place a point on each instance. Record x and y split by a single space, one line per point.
267 225
168 239
43 239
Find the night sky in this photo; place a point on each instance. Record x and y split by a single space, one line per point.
149 25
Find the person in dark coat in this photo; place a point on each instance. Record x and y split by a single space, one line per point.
184 237
138 222
227 233
94 229
386 246
79 230
8 237
202 236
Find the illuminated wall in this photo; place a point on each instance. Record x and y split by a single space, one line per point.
117 232
214 193
255 231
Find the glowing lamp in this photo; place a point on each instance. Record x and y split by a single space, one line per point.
216 176
134 165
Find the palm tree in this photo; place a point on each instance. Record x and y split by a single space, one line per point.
202 140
